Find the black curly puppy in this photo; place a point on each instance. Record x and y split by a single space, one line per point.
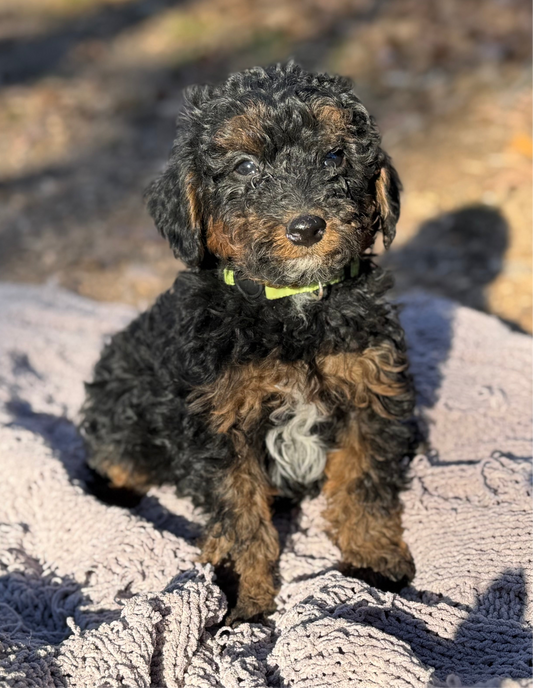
274 366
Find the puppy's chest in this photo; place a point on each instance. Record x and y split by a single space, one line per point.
295 409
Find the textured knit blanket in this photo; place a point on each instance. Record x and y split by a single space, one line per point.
98 595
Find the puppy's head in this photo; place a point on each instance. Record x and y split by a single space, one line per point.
279 173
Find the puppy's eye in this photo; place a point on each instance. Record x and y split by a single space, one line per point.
334 159
246 168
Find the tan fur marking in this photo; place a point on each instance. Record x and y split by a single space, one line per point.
239 396
361 377
332 237
124 477
382 184
243 132
284 249
251 541
219 241
236 402
333 119
233 242
192 198
366 537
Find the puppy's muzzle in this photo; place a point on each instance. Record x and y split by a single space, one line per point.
306 230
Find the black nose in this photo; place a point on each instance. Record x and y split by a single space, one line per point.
306 230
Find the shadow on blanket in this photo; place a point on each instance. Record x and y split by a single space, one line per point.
63 438
507 619
36 607
501 608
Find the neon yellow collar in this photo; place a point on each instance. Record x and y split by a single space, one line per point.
272 293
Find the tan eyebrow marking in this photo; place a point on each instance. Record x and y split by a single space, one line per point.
334 119
244 132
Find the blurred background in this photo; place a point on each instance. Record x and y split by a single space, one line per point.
89 90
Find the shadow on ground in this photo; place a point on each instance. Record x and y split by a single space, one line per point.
456 255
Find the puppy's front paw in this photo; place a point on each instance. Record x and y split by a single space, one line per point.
250 609
388 568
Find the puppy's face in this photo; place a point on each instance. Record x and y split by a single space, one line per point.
279 173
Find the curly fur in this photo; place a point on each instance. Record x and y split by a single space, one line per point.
190 391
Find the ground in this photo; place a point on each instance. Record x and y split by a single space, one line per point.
91 88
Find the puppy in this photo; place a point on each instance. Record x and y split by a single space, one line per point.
274 366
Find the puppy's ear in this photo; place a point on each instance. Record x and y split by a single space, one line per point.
388 187
174 205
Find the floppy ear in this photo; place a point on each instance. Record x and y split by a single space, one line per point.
173 203
388 187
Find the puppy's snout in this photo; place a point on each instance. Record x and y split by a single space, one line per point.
306 230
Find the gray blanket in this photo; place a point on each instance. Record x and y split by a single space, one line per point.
96 595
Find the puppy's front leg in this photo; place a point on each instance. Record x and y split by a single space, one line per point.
363 507
241 530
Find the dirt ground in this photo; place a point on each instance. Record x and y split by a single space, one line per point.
90 90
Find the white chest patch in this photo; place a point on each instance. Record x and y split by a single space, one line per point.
295 444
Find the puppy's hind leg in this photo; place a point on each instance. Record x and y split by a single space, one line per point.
115 481
118 454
